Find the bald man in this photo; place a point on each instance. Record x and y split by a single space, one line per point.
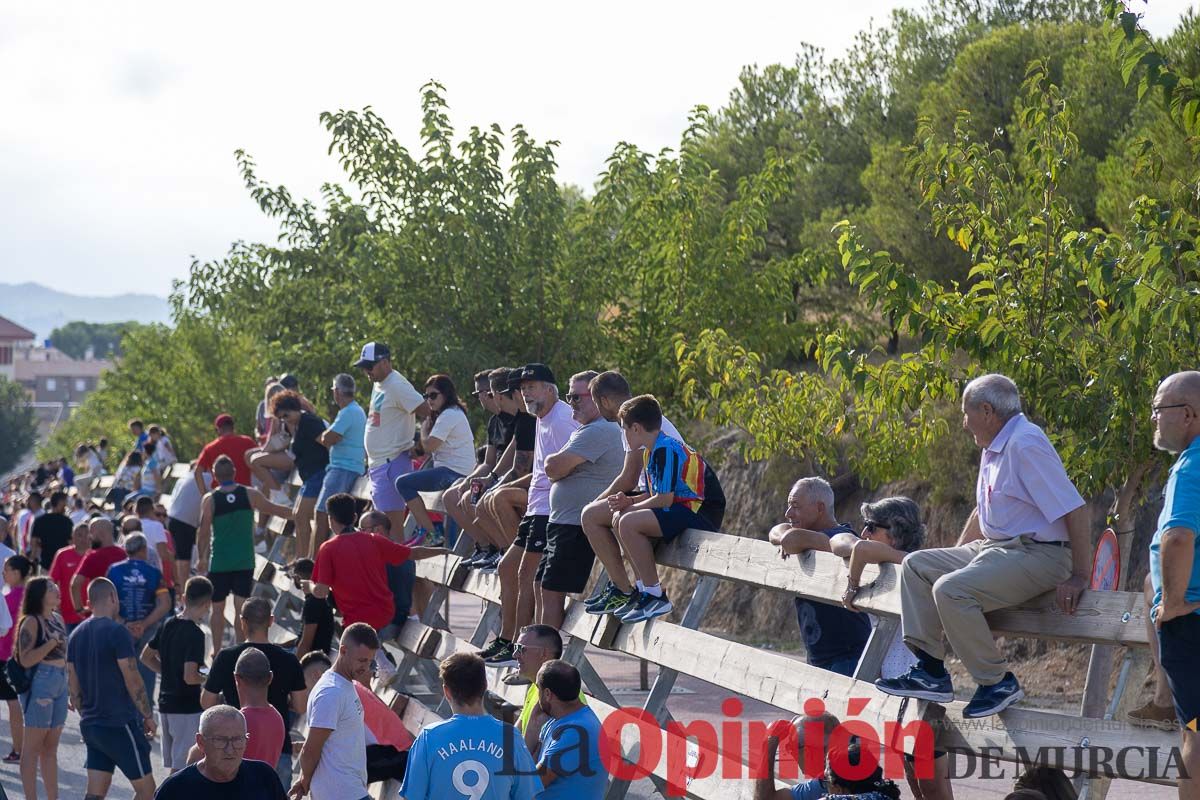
223 771
1175 560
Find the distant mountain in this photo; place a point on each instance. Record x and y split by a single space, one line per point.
42 309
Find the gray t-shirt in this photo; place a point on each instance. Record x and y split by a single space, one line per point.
601 444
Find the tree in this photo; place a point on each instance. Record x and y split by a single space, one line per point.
104 338
18 427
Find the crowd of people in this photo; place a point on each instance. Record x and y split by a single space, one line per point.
107 598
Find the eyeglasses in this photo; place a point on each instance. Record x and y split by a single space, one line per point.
224 742
521 648
432 395
1156 411
573 398
869 526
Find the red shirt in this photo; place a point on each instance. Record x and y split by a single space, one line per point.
66 561
265 727
233 445
354 566
95 564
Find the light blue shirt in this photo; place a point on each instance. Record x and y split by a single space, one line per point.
470 758
812 789
349 453
1181 509
571 750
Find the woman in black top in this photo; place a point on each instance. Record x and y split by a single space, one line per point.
311 459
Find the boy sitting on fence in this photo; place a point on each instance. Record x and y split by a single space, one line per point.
675 491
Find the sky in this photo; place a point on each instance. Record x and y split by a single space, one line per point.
118 120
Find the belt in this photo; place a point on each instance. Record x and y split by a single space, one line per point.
1031 539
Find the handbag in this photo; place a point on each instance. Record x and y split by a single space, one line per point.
19 677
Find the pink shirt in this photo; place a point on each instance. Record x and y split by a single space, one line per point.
553 431
13 599
1022 488
265 727
382 723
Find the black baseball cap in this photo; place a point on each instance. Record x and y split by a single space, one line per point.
531 372
289 381
372 354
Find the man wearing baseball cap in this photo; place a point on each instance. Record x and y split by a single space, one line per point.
344 438
391 426
228 443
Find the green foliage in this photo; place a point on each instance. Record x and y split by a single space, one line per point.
18 428
104 338
1087 322
180 377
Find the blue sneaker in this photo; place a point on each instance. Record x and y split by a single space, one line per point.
600 597
989 700
648 607
614 601
418 538
919 684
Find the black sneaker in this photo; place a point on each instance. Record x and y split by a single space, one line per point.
619 609
648 607
503 657
989 700
600 597
477 555
493 647
491 565
615 599
919 684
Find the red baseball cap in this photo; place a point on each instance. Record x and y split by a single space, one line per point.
223 421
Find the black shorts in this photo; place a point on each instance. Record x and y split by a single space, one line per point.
531 533
184 536
239 581
1178 644
6 690
123 747
567 562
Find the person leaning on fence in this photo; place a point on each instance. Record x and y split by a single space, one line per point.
344 438
891 530
1029 533
497 765
1175 561
834 637
675 495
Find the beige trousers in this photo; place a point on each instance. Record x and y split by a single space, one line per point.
948 590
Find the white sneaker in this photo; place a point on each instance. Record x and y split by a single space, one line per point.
280 497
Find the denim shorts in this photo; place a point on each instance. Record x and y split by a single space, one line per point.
337 481
313 483
425 480
45 704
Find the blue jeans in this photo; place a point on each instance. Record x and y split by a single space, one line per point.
337 481
149 676
284 768
425 480
843 666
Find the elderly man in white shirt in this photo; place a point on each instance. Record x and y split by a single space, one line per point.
1029 533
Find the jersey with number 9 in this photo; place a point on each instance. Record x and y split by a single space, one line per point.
470 758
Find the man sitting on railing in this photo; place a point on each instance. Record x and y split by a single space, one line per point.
834 637
1029 532
1175 561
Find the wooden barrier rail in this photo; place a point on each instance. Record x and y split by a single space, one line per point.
781 682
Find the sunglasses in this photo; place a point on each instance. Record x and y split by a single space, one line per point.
478 393
573 398
869 526
432 395
522 648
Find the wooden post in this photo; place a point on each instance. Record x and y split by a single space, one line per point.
871 662
656 702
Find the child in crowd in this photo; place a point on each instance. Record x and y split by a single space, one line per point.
317 615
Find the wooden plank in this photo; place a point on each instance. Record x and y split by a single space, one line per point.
1102 617
870 663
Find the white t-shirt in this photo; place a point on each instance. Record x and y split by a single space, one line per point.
155 534
669 430
186 499
390 421
342 771
458 444
553 432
